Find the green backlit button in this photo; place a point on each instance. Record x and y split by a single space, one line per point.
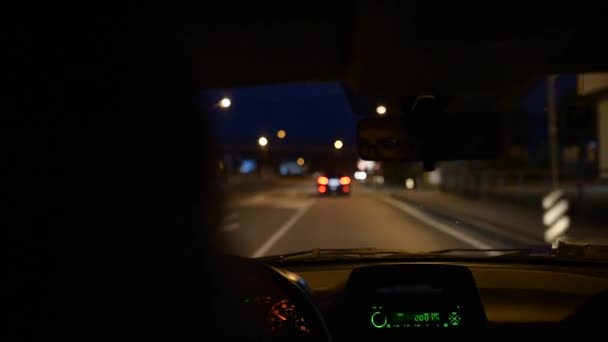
454 319
379 320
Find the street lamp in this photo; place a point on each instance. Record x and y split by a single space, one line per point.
381 110
281 134
338 144
300 161
409 183
225 102
263 141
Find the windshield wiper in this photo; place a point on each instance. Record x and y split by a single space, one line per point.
478 250
530 251
355 253
322 253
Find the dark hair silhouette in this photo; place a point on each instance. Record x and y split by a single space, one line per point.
111 193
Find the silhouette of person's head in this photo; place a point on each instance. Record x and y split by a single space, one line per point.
112 194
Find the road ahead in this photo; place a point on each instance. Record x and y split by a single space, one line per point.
293 218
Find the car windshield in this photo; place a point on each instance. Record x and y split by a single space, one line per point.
293 178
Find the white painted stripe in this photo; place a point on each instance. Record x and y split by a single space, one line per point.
440 226
263 249
556 212
557 230
551 198
230 227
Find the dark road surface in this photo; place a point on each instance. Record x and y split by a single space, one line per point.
292 217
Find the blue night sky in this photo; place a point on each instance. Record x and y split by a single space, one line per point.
537 99
310 114
319 113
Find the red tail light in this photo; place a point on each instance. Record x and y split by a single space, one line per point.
322 180
345 180
322 189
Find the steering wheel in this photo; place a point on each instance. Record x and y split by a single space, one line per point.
243 276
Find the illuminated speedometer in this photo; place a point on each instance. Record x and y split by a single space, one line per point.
283 315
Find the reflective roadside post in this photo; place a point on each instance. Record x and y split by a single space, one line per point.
555 216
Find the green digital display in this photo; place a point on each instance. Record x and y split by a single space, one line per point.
404 317
381 318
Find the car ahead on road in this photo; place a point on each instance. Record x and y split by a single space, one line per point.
333 184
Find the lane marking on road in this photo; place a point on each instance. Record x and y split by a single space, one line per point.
230 227
440 226
263 249
230 222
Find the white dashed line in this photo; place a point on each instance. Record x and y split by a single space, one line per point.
263 249
230 223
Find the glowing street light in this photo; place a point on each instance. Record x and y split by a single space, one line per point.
381 110
281 134
263 141
225 102
338 144
300 161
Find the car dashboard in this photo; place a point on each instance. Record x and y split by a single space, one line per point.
475 301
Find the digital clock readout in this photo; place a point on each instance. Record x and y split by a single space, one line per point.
387 319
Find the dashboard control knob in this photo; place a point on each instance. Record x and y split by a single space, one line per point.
378 319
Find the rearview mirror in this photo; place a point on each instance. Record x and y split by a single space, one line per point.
440 137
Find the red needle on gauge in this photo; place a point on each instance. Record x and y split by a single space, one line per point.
278 315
